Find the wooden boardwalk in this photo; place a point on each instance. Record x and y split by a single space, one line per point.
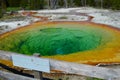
78 69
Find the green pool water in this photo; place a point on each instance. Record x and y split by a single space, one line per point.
57 40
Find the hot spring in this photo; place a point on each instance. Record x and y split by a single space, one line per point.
69 41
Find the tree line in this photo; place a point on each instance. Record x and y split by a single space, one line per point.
53 4
40 4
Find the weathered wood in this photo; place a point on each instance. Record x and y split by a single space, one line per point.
11 76
79 69
15 71
38 75
6 55
87 70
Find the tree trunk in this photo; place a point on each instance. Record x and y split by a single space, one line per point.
51 4
36 4
82 2
2 7
0 12
66 3
71 3
101 4
97 3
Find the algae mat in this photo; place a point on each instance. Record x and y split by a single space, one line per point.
68 41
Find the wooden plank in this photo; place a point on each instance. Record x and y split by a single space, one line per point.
38 75
86 70
80 69
6 55
10 76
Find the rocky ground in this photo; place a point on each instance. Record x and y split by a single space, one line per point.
12 22
101 16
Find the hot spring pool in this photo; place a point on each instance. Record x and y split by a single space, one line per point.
69 41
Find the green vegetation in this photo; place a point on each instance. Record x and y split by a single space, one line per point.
40 4
2 7
13 9
12 18
36 4
0 12
94 79
26 4
14 3
63 17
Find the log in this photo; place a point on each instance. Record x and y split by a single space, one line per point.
79 69
86 70
11 76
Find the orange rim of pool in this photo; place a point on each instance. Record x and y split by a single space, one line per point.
79 42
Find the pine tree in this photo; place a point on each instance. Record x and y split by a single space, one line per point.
36 4
24 3
14 3
115 4
91 3
2 7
